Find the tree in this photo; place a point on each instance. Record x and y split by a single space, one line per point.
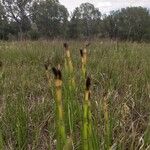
109 27
135 22
86 19
50 17
75 24
3 23
131 23
18 10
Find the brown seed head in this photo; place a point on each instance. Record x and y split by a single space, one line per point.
46 66
88 83
57 73
66 46
1 64
54 71
81 52
105 94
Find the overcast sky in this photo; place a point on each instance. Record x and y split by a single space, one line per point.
105 6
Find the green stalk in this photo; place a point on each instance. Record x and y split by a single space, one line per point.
71 105
69 66
106 121
90 126
83 54
87 124
61 137
1 140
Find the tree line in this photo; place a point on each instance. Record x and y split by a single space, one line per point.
34 19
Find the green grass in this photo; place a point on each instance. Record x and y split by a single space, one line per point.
120 71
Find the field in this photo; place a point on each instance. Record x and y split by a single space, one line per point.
116 115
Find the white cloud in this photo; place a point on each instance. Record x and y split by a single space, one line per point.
106 6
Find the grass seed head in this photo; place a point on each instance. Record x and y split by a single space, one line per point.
66 46
46 66
54 71
81 52
88 83
1 64
57 73
105 94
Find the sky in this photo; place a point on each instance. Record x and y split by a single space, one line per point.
105 6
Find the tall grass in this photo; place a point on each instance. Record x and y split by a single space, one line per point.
115 116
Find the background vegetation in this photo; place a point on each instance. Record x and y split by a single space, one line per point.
33 19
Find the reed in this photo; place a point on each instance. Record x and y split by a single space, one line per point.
61 133
71 105
87 124
68 60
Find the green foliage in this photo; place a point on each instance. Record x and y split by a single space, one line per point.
86 21
131 23
17 10
50 18
33 34
3 23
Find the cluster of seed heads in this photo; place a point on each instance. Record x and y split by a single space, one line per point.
57 73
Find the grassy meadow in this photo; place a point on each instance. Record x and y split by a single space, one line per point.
50 99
